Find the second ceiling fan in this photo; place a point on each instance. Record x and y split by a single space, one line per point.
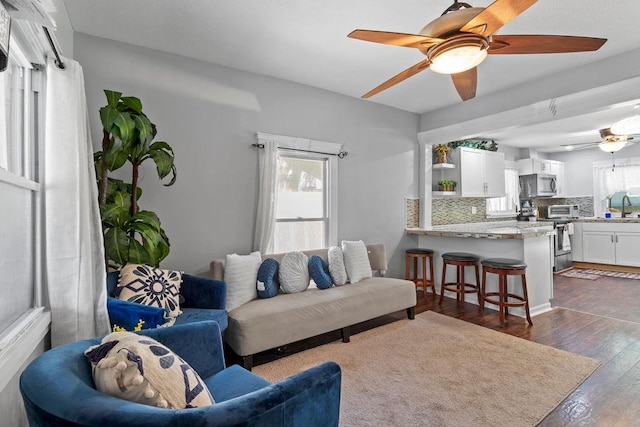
460 39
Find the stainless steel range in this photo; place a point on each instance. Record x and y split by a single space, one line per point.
563 257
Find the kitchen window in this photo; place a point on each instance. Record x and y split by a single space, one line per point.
608 179
506 206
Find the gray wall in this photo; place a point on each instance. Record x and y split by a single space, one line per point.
210 114
600 73
578 166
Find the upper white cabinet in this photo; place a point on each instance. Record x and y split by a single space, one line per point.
481 173
544 166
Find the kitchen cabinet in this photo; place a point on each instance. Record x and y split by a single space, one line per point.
557 168
481 173
611 244
544 166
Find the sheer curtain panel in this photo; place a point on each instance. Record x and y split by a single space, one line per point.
74 254
266 213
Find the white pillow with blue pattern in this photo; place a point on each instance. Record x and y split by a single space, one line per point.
152 286
140 369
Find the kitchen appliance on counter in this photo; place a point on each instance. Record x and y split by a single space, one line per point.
528 211
563 211
537 185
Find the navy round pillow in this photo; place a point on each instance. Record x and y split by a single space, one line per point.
267 284
319 272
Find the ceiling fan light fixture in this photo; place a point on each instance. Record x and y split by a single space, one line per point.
612 147
458 54
628 126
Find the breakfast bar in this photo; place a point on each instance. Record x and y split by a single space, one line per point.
531 242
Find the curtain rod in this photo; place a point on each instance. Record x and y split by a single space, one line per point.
341 154
58 61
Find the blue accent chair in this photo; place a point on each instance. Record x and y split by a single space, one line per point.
58 389
204 299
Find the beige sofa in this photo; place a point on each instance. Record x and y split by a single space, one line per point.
263 324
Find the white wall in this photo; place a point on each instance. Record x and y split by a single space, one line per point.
210 114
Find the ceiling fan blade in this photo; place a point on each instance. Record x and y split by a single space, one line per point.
397 39
411 71
524 44
495 16
466 83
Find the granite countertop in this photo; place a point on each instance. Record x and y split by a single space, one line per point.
618 220
489 230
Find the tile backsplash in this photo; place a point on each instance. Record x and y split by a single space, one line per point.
459 210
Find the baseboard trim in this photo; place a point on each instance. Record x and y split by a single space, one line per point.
607 267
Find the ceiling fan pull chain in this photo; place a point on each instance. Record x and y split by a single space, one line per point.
456 6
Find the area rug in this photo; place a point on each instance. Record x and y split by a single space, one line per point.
578 274
593 274
440 371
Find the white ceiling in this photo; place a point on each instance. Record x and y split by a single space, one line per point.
305 41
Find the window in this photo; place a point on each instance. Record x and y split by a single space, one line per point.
507 205
20 193
306 194
302 216
608 179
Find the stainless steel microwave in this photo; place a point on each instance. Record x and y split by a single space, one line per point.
537 185
563 211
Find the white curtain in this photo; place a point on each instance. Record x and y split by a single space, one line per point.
608 179
267 198
74 255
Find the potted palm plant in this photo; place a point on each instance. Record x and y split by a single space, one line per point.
130 233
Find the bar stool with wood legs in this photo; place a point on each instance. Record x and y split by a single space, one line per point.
420 281
461 260
504 267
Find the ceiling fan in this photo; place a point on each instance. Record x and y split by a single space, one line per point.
610 142
460 39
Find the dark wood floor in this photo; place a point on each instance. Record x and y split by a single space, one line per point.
610 397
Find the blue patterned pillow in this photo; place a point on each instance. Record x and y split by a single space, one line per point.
149 285
267 283
319 271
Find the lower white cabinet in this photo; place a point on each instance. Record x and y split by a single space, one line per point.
611 244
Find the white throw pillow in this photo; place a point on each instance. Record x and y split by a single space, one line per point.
336 266
241 273
356 260
294 272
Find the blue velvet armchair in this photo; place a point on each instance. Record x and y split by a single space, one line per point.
58 389
204 299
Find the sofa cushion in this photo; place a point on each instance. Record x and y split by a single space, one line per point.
294 272
319 272
140 369
336 266
356 260
264 324
268 282
241 273
145 284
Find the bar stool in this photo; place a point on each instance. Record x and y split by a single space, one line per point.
460 287
504 267
420 281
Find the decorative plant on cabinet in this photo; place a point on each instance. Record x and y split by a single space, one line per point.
130 234
441 151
